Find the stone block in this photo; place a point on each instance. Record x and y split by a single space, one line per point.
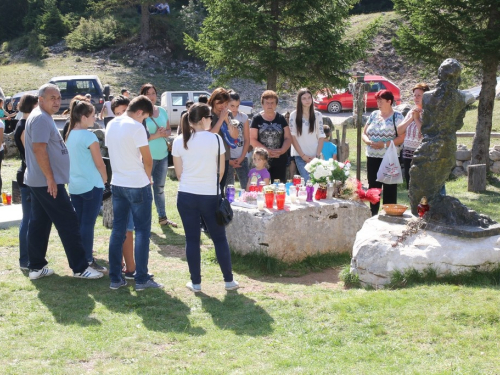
375 257
458 171
299 231
494 155
463 155
496 147
459 163
465 166
495 168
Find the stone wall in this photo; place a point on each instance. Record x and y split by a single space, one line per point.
463 156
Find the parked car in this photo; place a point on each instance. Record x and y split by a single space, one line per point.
174 103
335 101
81 85
15 99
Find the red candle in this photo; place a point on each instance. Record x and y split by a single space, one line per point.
280 199
269 195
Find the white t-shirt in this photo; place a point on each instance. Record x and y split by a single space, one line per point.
124 136
199 162
108 112
308 141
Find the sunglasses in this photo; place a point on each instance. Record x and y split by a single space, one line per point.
209 116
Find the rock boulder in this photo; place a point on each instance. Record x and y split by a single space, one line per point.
375 258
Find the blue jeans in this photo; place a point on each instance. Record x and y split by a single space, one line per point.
87 207
300 163
137 200
191 208
23 228
159 174
46 210
242 173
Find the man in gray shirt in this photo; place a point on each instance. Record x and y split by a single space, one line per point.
47 170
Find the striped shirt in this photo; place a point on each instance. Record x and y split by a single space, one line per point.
380 130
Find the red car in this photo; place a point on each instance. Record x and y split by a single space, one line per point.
342 99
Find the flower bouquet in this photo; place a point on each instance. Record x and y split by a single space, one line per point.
353 189
319 171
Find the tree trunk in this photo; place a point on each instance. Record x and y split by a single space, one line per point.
477 178
272 75
145 24
481 142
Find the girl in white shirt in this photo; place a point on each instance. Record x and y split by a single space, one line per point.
195 153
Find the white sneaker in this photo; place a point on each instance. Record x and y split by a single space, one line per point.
37 274
232 285
89 273
193 287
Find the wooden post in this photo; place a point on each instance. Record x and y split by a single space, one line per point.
477 177
107 213
339 145
358 92
344 155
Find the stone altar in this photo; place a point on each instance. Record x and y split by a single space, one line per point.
375 257
299 231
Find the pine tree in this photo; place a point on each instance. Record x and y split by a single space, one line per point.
302 43
468 30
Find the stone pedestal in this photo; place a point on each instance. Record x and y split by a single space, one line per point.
376 253
290 235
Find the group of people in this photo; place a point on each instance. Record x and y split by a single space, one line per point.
385 125
212 136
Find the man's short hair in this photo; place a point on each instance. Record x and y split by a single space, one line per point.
189 103
203 99
141 103
124 91
43 88
118 101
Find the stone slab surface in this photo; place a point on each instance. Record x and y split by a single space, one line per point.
375 257
10 216
327 226
457 230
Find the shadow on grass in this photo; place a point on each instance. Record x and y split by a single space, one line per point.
68 299
237 313
261 267
159 311
170 246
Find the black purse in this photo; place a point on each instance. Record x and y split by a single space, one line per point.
224 212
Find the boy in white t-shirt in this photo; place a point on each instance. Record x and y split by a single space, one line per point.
131 165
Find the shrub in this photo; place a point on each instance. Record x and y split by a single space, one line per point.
93 34
51 23
36 47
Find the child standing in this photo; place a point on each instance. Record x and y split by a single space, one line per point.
259 173
329 150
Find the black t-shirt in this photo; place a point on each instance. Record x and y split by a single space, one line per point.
17 138
271 133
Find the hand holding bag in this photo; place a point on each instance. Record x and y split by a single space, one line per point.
224 212
390 170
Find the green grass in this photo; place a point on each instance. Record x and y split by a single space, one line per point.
273 324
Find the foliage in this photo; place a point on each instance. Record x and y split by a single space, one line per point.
350 280
371 6
435 30
12 13
192 16
93 34
36 48
51 23
279 41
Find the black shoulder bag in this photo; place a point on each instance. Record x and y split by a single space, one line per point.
224 212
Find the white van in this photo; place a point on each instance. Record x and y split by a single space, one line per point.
174 102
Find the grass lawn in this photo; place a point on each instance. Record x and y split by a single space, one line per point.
275 324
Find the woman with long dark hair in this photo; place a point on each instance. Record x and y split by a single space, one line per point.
87 174
306 128
195 154
158 127
26 105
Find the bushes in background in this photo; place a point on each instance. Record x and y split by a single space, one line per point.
93 34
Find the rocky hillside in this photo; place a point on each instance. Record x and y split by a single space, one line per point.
130 66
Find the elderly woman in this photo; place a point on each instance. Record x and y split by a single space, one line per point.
411 127
269 130
379 131
306 128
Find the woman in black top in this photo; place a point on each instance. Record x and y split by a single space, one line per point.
270 131
10 124
26 105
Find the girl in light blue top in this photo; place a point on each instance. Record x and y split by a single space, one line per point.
159 129
87 173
